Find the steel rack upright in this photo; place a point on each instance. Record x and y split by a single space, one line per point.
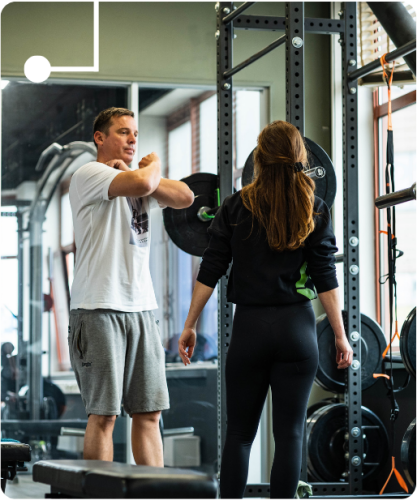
295 25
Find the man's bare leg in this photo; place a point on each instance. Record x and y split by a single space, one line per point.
98 440
146 439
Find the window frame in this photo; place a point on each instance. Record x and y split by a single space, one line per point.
380 111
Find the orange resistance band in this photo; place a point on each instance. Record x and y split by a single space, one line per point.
396 334
389 81
400 480
386 232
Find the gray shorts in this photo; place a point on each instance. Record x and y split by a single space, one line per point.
118 354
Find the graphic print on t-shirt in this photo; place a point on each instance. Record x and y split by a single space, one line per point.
139 223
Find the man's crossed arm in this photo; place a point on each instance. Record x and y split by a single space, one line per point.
147 181
175 194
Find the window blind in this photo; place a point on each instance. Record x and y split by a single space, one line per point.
373 41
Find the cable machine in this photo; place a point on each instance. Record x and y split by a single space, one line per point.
28 414
295 25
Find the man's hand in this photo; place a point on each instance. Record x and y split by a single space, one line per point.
344 353
188 339
148 159
137 182
118 165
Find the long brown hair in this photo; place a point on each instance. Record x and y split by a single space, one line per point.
281 198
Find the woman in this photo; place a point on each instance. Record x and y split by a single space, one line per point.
281 240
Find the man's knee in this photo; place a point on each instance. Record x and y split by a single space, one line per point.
149 418
104 422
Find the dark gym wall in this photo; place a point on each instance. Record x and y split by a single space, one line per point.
162 42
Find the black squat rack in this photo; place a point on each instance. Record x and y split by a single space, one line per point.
295 25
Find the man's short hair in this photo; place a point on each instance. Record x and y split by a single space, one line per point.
103 120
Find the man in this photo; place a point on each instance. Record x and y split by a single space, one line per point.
114 342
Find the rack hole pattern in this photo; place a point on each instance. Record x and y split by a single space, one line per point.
270 23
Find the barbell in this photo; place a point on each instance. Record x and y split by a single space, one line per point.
187 227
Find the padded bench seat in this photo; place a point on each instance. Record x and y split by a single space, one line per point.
13 456
14 451
99 479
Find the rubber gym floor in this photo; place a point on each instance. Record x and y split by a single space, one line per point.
24 488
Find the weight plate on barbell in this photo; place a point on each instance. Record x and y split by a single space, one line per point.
326 429
248 169
408 453
373 344
408 343
183 226
325 187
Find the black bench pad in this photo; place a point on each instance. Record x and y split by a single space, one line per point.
99 479
15 452
68 475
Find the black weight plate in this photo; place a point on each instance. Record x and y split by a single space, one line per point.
408 453
408 343
325 187
324 402
247 174
183 226
372 347
326 430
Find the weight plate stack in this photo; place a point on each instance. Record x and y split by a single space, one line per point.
317 157
326 429
408 453
408 343
373 344
324 402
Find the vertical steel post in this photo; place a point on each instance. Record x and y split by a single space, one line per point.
19 217
36 310
294 67
224 36
294 57
353 393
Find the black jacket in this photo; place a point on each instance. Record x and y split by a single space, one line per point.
259 275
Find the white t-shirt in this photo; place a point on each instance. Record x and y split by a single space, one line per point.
112 238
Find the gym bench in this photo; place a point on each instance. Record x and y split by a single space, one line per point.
13 456
99 479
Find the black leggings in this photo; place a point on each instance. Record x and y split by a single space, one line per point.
277 347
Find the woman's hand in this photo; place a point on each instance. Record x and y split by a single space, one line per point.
188 339
344 353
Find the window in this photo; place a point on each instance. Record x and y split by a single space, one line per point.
208 135
179 148
191 148
404 131
247 124
373 39
9 276
181 283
